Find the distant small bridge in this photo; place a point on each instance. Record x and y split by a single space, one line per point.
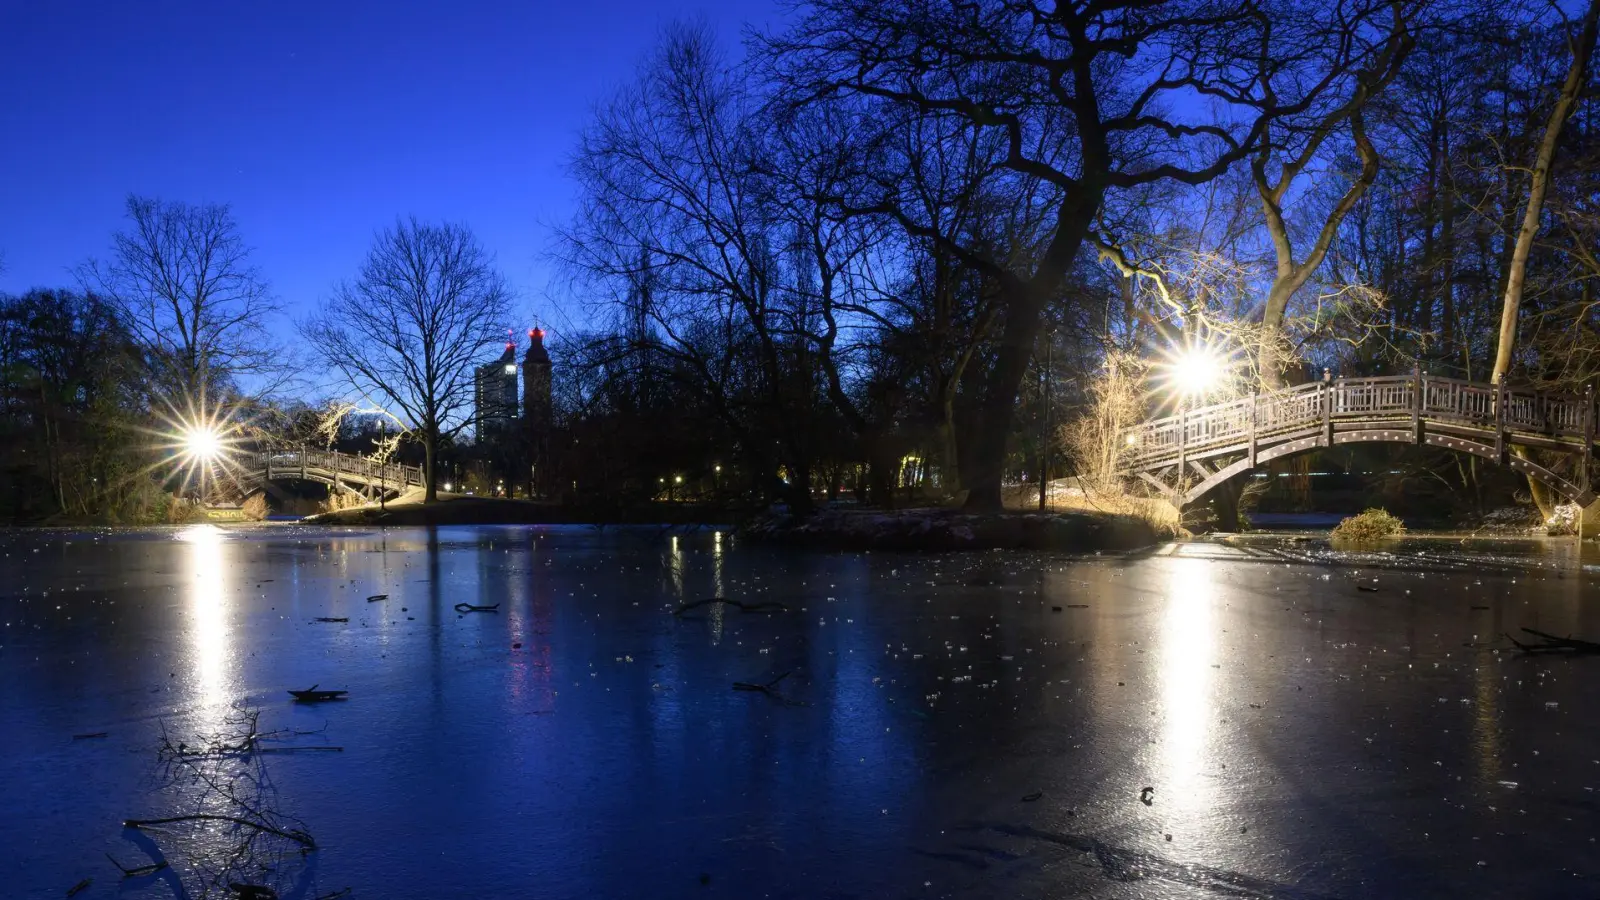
342 471
1185 456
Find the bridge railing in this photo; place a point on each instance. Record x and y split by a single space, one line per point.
1381 399
355 468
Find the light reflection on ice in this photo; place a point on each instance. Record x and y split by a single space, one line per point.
207 563
1188 648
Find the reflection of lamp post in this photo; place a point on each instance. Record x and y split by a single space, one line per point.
1044 428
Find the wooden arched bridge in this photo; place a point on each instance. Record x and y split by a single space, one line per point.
342 471
1185 456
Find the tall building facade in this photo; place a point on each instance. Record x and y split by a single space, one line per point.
495 398
516 450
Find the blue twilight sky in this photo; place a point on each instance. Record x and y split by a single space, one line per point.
318 120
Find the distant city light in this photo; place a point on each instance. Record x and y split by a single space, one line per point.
677 479
511 369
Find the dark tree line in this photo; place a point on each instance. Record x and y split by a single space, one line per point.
98 381
849 249
844 258
176 332
70 399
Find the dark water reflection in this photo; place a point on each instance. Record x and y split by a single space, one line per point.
1304 738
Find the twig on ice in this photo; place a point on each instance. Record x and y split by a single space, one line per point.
1553 644
299 837
136 871
764 607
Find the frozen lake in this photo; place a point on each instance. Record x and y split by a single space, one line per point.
942 730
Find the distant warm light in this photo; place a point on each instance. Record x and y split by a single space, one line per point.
1196 370
717 468
447 485
677 479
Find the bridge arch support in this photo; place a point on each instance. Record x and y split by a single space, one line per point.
1564 487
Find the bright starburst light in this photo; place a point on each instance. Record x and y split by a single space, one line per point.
202 442
199 444
1197 370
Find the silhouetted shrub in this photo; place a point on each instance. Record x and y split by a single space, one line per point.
1369 526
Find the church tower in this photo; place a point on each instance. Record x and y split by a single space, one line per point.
536 413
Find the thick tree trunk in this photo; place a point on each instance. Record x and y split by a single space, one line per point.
1542 497
430 474
1022 304
1270 357
949 450
798 493
880 481
1225 501
1577 76
1024 307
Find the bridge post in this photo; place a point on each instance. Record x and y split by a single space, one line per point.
1500 421
1183 462
1588 436
302 462
1255 398
1327 408
1417 391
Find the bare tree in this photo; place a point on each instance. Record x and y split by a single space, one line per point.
1300 143
407 332
679 222
1083 99
182 280
1582 48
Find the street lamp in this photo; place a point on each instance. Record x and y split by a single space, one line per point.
202 444
1197 370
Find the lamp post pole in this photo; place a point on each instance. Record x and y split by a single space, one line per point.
1044 427
383 465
